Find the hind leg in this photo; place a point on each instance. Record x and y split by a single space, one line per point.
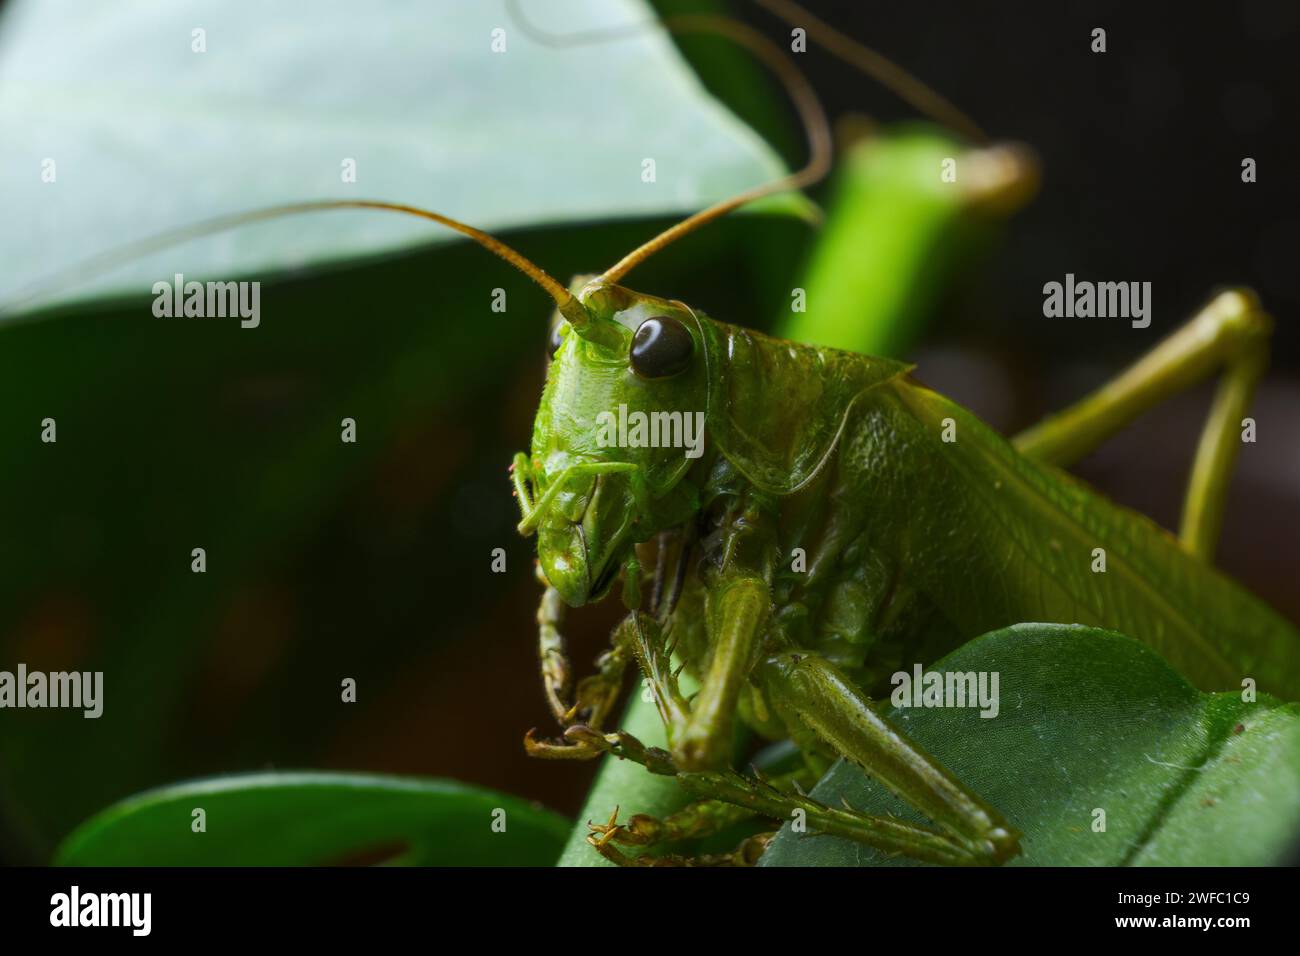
1232 333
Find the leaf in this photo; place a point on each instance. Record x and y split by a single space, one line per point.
293 819
1089 720
147 135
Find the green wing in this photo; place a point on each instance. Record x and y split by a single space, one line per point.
1001 539
777 409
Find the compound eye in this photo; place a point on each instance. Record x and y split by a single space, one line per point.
556 340
662 346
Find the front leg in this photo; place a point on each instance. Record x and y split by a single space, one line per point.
646 639
747 853
596 694
738 615
738 609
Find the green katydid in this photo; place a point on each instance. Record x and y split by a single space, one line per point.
843 456
914 516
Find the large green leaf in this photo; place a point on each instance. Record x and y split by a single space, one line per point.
146 134
291 819
1091 720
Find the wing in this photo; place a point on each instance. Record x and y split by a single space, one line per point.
777 409
1005 539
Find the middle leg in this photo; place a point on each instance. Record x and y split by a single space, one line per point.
808 689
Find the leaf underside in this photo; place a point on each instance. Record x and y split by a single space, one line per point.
146 135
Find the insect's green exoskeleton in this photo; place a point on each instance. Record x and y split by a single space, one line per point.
841 457
594 493
774 415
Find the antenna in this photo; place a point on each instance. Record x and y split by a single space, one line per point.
569 306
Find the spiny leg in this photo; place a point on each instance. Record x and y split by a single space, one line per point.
887 834
810 690
727 797
637 635
646 639
1230 332
737 616
695 820
672 563
1225 333
603 834
589 742
1216 454
700 818
596 694
553 657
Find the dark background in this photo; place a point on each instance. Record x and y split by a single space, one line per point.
377 568
1141 146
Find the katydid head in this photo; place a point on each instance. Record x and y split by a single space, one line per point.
620 424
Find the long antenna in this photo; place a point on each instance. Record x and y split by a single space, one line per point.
568 305
796 86
878 66
874 64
